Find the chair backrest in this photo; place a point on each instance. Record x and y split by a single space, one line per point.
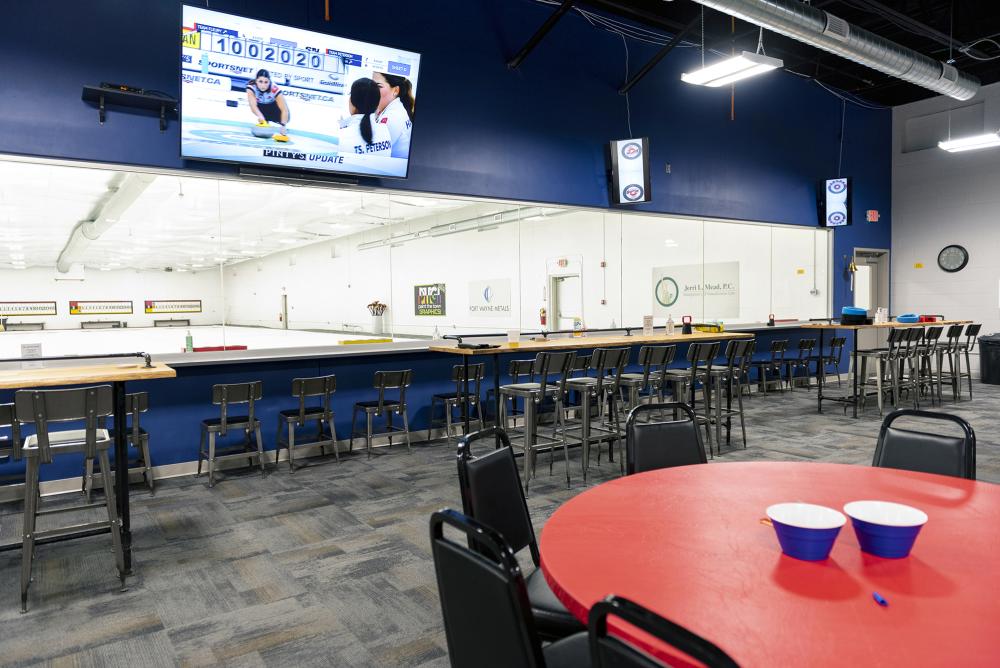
491 490
927 452
8 421
476 374
700 355
661 444
226 394
932 335
136 403
778 348
581 364
391 380
519 368
559 364
609 652
954 335
654 359
608 364
40 407
806 347
737 353
484 600
315 386
837 348
971 332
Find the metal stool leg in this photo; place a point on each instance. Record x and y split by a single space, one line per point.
406 428
260 449
201 450
291 448
88 478
28 528
147 463
116 534
368 433
211 459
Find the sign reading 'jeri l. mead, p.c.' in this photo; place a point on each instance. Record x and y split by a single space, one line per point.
710 290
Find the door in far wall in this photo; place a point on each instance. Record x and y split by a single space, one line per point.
567 301
871 291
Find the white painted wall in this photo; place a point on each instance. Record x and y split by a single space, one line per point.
941 198
40 284
329 284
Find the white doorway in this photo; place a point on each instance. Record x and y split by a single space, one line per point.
566 301
871 291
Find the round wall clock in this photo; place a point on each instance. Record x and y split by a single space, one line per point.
953 258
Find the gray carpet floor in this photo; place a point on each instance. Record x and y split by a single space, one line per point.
329 566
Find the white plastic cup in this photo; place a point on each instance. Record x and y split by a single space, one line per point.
514 337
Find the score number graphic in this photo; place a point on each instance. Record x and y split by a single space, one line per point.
255 49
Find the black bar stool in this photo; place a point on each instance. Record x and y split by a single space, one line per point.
454 400
701 356
727 379
965 349
384 380
805 348
600 389
224 396
649 383
533 393
927 355
291 419
89 405
825 360
137 440
772 365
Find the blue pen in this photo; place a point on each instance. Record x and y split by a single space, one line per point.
878 599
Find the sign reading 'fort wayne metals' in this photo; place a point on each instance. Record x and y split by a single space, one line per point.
428 299
489 298
100 307
710 290
172 306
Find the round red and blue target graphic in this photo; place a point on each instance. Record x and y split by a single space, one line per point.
632 192
631 150
836 218
836 187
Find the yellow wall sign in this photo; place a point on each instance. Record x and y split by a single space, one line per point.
800 272
918 265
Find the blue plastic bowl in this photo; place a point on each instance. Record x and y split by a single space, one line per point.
805 531
907 318
853 310
885 529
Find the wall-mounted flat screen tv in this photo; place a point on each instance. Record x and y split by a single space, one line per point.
833 202
265 94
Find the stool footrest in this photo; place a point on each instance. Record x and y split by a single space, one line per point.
62 532
69 509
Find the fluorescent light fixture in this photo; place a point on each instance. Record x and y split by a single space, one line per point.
220 259
288 240
987 140
745 65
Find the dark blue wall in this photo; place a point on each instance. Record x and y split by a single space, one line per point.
536 134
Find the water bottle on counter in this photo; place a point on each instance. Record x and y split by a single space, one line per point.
670 324
188 342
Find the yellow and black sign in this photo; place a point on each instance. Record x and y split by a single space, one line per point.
172 306
100 308
428 299
191 39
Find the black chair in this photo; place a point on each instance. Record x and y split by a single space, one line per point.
484 602
610 652
926 452
492 494
662 444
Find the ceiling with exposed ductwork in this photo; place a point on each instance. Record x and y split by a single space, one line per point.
924 26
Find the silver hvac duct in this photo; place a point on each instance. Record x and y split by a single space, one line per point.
123 191
828 32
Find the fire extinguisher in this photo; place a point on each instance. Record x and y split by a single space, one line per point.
542 315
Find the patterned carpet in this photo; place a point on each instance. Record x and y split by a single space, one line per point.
329 566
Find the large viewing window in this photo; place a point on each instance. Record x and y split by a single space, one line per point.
96 260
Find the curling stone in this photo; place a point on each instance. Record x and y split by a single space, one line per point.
262 130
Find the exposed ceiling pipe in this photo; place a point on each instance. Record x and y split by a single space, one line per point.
123 191
823 30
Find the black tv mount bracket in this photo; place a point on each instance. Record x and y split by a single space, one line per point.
128 98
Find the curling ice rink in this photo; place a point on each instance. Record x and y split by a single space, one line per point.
164 340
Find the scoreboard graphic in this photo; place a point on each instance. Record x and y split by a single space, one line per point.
310 72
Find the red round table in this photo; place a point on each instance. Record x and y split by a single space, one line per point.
688 543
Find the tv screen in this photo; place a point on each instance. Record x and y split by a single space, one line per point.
833 202
270 95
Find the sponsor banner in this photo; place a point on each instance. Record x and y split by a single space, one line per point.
172 306
428 299
100 308
630 170
712 288
27 308
489 299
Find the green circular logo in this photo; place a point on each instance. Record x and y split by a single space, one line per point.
666 291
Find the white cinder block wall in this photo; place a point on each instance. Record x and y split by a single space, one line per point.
941 198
